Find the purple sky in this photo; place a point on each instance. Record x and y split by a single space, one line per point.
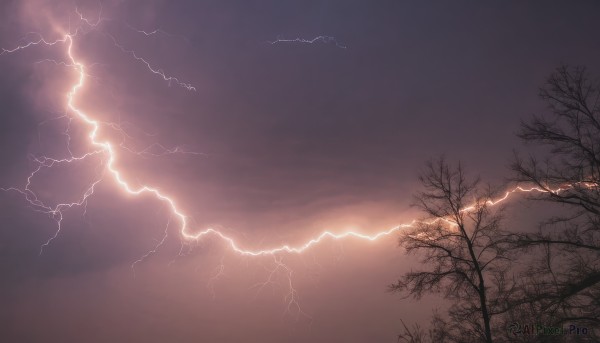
293 139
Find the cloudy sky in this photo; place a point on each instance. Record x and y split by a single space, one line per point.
279 140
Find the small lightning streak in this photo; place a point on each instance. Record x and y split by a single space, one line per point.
41 40
88 21
219 272
158 150
320 39
160 72
155 249
291 298
157 32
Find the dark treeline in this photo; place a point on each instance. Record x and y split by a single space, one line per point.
470 256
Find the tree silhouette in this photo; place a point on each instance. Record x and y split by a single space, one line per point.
465 250
564 285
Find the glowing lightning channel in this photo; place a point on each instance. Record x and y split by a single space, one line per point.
107 148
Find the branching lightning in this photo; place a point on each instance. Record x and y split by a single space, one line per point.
290 298
160 72
107 149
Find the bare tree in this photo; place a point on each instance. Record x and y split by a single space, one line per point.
564 286
465 249
439 332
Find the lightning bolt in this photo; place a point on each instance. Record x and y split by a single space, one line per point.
107 149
